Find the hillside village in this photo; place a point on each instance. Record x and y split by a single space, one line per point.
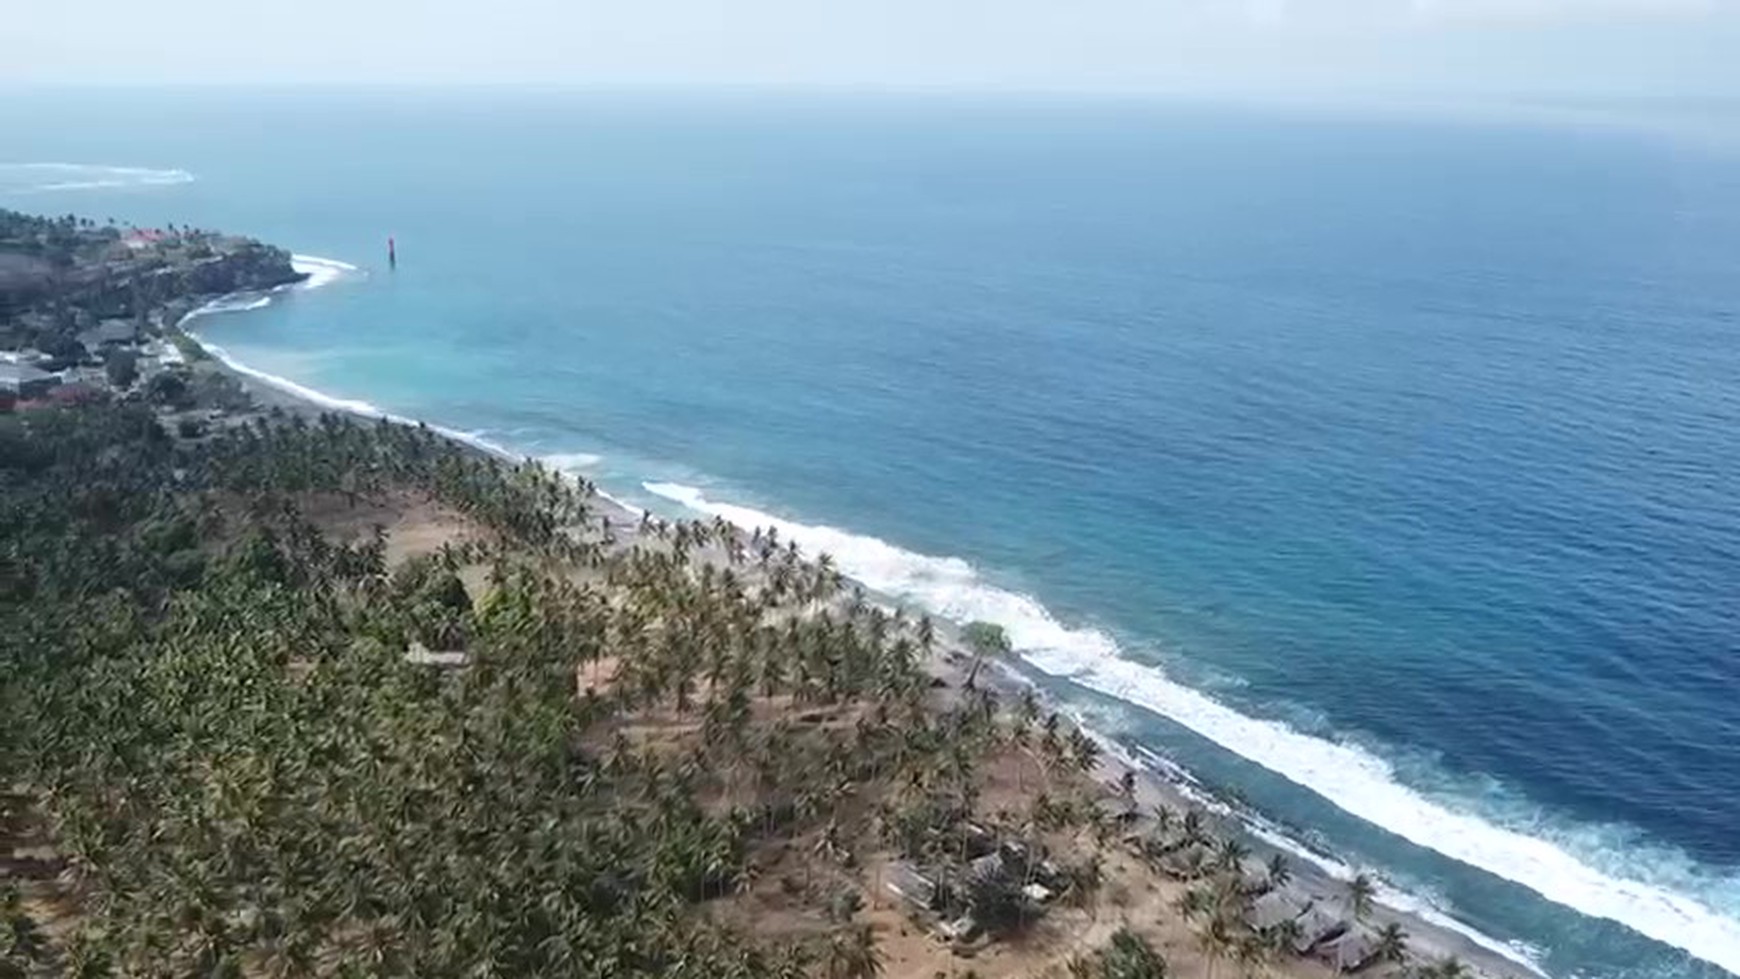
88 310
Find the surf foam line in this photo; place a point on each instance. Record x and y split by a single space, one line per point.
1348 777
320 271
1263 828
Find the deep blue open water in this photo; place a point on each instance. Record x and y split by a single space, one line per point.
1381 469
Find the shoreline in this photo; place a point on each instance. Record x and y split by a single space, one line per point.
1435 939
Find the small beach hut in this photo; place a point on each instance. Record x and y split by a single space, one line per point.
1187 863
1353 951
911 887
1274 908
1316 926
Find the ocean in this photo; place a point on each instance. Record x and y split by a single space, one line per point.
1377 468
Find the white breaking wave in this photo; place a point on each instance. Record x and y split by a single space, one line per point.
353 406
324 400
236 304
31 178
1410 904
1354 780
320 271
572 461
579 465
473 439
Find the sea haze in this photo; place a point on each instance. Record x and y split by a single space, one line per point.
1380 469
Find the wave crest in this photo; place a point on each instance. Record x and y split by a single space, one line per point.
320 271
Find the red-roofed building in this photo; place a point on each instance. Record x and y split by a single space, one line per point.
143 237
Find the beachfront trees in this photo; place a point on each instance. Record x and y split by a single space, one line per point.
1360 896
1229 855
984 639
1194 828
1253 955
1449 968
1195 904
1218 943
1392 944
1277 872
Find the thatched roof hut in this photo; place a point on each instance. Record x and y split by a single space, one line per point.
1351 952
1273 908
1187 863
911 886
1316 926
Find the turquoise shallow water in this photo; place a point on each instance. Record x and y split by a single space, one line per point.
1380 471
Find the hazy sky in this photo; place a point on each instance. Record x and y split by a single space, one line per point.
1369 48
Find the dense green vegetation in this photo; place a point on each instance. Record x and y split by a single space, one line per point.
211 709
1127 956
57 241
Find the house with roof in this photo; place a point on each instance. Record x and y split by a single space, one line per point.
917 890
1316 926
110 333
1353 951
22 382
137 238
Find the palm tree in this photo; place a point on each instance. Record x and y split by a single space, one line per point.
1197 902
1085 883
1392 944
852 954
1278 872
1284 937
1361 894
1165 819
1195 829
1230 854
1217 942
1126 956
1252 955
